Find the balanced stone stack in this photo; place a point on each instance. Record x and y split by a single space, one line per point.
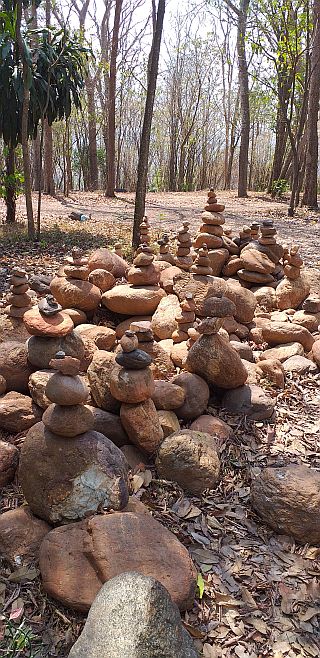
118 249
255 230
19 301
164 250
143 272
161 364
259 258
211 230
145 237
202 262
51 329
67 470
133 385
292 263
185 319
294 287
71 288
183 255
244 237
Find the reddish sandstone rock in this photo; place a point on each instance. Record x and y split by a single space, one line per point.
201 287
18 412
290 294
273 370
9 458
59 324
244 300
163 322
214 426
168 396
99 374
75 293
191 459
310 321
299 365
103 547
255 261
315 352
216 361
103 259
21 534
282 352
103 337
167 277
14 366
196 395
131 386
68 421
169 422
266 298
277 333
249 400
130 300
77 316
288 499
73 477
142 424
102 279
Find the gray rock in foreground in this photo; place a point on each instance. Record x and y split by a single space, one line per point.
133 616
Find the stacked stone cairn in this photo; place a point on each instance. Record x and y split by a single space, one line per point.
164 250
145 237
118 249
71 287
244 237
143 272
133 385
211 230
19 301
201 264
67 470
259 258
185 319
255 230
183 255
292 263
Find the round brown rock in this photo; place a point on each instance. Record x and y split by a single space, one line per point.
102 279
190 459
130 300
18 412
196 395
21 534
142 424
213 358
100 373
72 478
66 390
288 500
168 396
68 421
103 259
244 300
41 350
9 458
214 426
290 294
77 316
75 293
103 337
14 366
131 386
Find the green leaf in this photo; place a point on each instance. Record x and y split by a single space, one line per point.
200 585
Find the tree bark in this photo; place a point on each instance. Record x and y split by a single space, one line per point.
244 98
111 152
310 196
48 186
92 135
140 202
10 188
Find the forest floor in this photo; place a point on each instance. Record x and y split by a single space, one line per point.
261 594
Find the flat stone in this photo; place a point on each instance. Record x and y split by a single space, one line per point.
130 300
277 333
21 535
299 365
103 337
18 412
51 326
135 360
68 421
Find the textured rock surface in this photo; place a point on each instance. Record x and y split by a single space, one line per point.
214 426
103 337
202 287
9 458
167 395
212 357
277 333
244 300
18 412
142 424
282 352
102 279
316 352
103 259
110 425
99 374
75 293
105 546
288 499
129 300
12 329
250 400
290 294
14 366
42 350
191 459
55 325
131 386
21 534
73 477
299 365
196 395
163 322
133 615
169 422
37 384
68 421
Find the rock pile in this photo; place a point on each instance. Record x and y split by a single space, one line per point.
67 470
71 289
202 262
164 250
183 255
213 220
145 237
185 319
19 301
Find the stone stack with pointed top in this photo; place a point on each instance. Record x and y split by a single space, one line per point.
143 272
294 288
201 264
183 255
255 230
292 263
133 385
67 470
71 287
164 250
185 319
19 301
161 367
118 249
145 237
211 230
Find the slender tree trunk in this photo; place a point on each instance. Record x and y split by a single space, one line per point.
92 135
279 149
310 196
49 186
139 208
244 98
10 187
68 159
36 163
111 152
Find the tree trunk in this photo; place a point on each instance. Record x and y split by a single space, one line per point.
279 149
111 152
140 202
10 187
36 163
244 98
310 196
48 187
92 135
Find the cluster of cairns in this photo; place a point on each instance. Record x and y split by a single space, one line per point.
219 326
19 299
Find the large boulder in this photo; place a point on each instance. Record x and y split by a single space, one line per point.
196 395
249 400
255 261
142 425
99 373
191 459
103 547
41 350
202 287
277 333
131 614
163 322
103 259
12 329
74 293
133 300
21 534
14 366
9 458
290 294
18 412
288 499
59 324
73 477
213 358
244 300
